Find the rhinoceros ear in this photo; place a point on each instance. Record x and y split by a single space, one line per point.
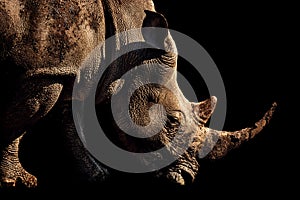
155 37
154 19
204 109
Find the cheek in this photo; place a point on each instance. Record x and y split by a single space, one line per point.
159 140
167 134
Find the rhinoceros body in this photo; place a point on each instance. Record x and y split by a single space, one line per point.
43 45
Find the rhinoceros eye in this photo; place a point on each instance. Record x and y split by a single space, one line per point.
175 118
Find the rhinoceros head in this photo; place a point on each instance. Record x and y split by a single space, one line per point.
144 111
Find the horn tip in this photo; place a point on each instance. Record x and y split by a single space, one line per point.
214 98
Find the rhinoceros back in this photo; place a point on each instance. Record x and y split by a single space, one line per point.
50 37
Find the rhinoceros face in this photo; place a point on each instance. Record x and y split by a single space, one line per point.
149 109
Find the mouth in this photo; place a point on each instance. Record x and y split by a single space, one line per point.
183 172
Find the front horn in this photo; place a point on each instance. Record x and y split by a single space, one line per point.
231 140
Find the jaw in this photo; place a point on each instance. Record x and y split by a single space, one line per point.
183 171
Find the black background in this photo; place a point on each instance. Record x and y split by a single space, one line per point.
252 46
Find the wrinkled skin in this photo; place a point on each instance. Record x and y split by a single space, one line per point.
42 46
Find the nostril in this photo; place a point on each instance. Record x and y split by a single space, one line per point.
179 177
176 178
